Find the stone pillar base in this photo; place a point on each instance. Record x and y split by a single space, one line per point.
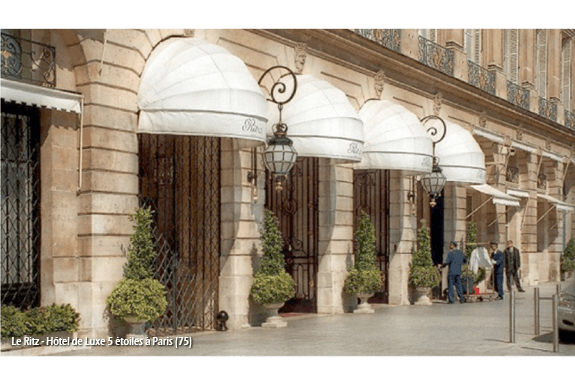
274 323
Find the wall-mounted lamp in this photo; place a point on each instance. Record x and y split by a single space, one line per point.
279 155
433 183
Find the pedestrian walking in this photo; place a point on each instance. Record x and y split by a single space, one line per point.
498 259
512 266
455 259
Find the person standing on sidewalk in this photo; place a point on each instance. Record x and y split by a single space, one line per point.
498 259
512 266
455 259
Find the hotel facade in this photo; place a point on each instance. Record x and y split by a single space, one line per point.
98 122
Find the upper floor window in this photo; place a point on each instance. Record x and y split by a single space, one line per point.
510 59
566 81
429 34
541 62
473 45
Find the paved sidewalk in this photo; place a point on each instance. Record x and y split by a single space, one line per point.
471 329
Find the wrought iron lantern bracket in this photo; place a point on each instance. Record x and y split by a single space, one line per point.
434 182
279 155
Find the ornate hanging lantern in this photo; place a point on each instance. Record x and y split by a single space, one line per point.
433 183
280 155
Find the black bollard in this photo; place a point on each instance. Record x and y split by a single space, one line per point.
221 318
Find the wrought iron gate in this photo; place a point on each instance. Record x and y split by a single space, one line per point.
296 207
20 206
180 180
371 194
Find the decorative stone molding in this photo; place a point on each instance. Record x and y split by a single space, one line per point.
300 56
483 119
189 32
437 102
379 83
519 132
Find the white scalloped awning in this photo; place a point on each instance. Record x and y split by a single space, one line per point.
518 193
32 95
395 139
460 157
499 197
191 87
561 206
321 121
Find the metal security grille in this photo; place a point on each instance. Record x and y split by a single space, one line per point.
180 180
296 207
20 206
371 194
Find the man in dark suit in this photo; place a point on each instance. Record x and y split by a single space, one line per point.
512 265
455 259
498 259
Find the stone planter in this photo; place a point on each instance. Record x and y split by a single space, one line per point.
274 320
421 296
136 328
364 307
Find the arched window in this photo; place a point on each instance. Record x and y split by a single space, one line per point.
510 59
473 45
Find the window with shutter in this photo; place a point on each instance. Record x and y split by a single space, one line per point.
566 72
511 59
473 45
541 62
429 34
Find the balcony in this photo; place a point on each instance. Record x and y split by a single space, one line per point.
569 119
481 78
512 174
548 109
28 61
542 182
389 38
436 56
517 95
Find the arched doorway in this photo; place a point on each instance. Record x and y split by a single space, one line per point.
179 179
296 207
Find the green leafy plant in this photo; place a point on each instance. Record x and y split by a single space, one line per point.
568 257
39 321
422 273
271 283
364 276
138 294
143 299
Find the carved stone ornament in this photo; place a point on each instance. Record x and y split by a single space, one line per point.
437 102
547 144
483 120
520 133
379 83
189 32
300 56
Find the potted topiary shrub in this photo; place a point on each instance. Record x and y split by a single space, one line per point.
364 278
272 285
422 274
138 297
568 260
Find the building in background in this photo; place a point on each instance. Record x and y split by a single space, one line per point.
96 122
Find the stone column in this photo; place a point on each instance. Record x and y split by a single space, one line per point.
527 66
335 236
554 64
528 182
454 216
410 43
556 177
241 246
454 42
403 238
493 50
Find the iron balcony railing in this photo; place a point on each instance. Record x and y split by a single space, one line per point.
548 109
569 119
28 61
389 38
517 95
481 78
542 182
512 174
436 56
